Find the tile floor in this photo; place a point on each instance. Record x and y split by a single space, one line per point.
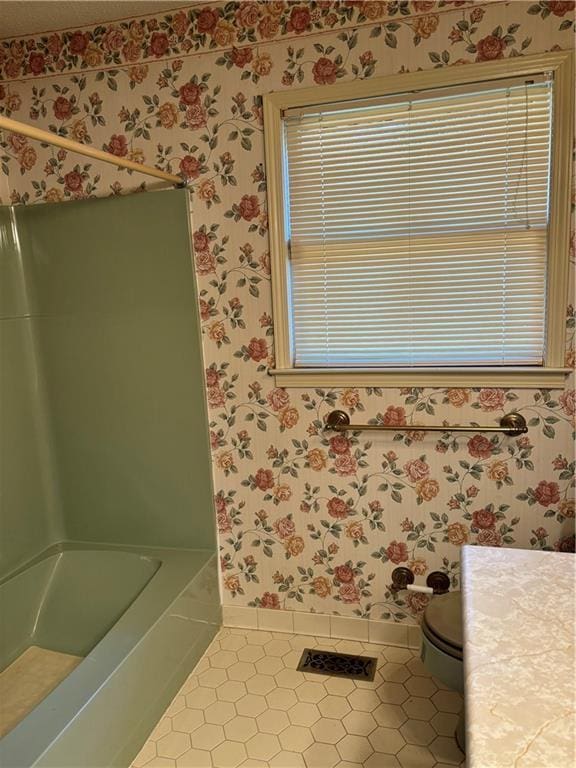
246 705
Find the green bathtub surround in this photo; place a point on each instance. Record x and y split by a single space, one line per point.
107 526
101 714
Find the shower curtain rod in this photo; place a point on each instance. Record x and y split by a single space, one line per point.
74 146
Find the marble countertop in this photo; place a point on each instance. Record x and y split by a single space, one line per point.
519 665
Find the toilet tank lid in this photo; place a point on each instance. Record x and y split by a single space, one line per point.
444 618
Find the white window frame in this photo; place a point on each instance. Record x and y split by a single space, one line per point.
552 373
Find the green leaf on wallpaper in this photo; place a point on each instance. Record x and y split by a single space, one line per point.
548 431
434 57
391 40
376 32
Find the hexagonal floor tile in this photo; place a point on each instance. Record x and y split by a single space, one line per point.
411 756
363 700
392 693
251 653
334 706
445 750
277 648
251 705
321 756
419 686
219 713
304 714
241 728
328 731
380 760
296 738
289 678
356 749
287 760
147 752
394 673
241 670
386 740
273 721
281 698
195 758
339 686
174 744
398 655
213 678
207 736
417 667
228 755
187 720
447 701
233 643
223 659
161 729
201 698
359 723
269 665
260 684
311 693
444 723
389 715
419 709
263 746
231 690
418 732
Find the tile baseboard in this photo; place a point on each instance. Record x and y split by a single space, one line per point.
323 625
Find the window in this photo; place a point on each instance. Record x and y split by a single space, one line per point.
420 226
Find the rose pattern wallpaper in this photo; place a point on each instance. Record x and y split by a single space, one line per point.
308 520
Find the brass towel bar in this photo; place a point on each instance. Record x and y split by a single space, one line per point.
510 424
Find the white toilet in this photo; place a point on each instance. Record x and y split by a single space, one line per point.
442 646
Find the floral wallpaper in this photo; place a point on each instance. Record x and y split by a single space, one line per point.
308 520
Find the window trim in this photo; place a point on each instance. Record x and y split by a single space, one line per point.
552 373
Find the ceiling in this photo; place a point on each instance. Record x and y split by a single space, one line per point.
28 17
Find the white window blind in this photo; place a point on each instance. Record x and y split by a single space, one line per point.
418 228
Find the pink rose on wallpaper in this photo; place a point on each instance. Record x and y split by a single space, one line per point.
54 45
395 416
264 479
397 552
258 349
489 538
338 508
349 593
299 19
216 397
489 48
417 602
339 444
547 493
566 508
37 63
190 93
491 399
73 181
416 470
566 544
285 527
346 465
159 44
241 56
207 19
294 546
484 518
205 262
426 25
423 6
268 27
480 447
62 108
249 207
344 574
321 586
458 397
561 7
201 241
373 9
289 417
167 115
540 533
457 533
278 398
427 489
567 401
418 566
497 471
355 531
190 167
117 145
78 43
212 378
269 600
324 71
248 14
282 493
224 524
316 459
180 23
113 39
223 33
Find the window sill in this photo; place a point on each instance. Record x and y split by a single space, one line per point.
526 377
